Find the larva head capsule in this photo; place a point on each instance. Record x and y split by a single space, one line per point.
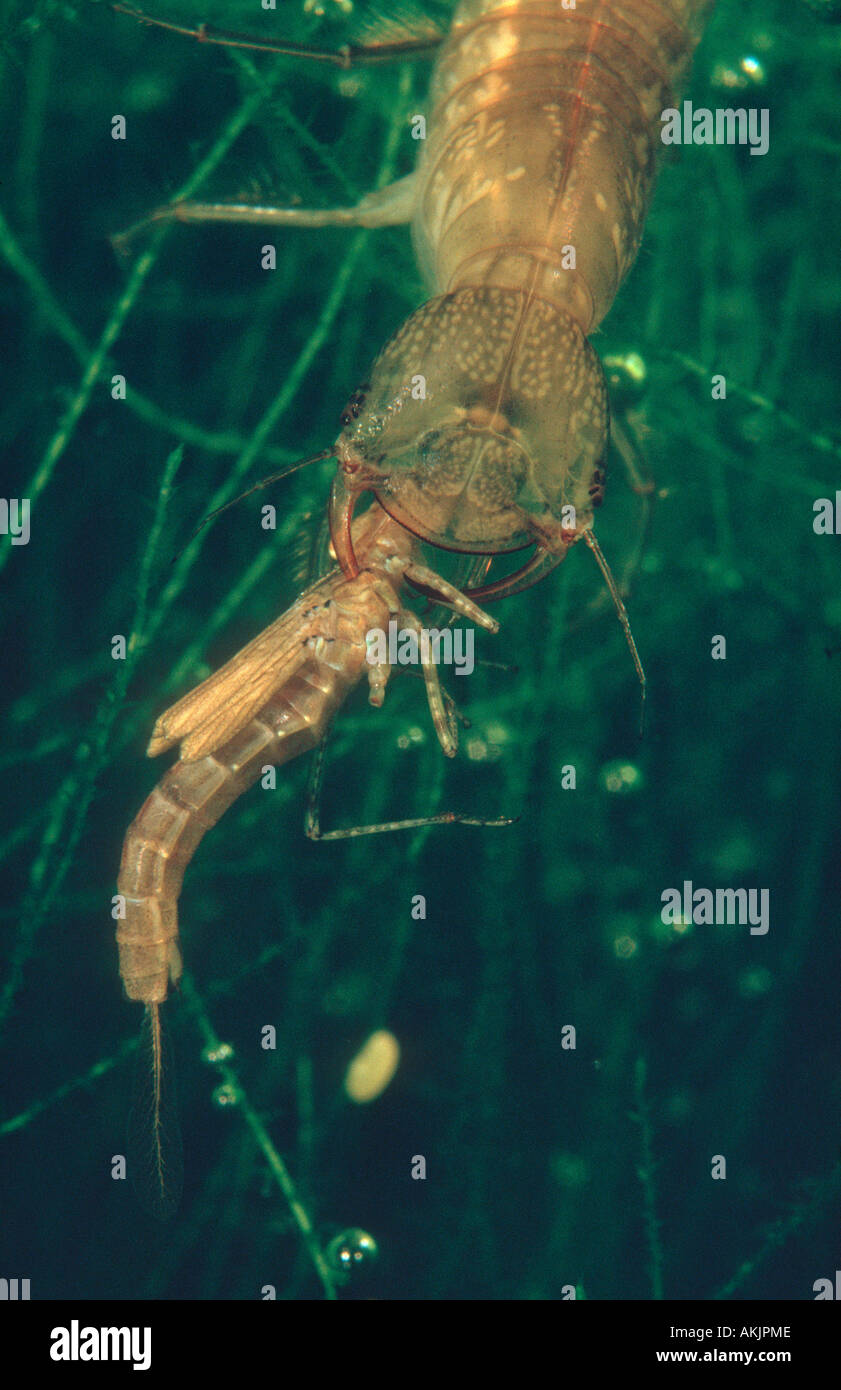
485 421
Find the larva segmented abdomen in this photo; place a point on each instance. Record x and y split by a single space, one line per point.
543 133
188 801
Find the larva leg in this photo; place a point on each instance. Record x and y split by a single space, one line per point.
625 436
622 615
627 381
626 440
312 819
385 207
445 725
348 56
454 714
427 582
626 431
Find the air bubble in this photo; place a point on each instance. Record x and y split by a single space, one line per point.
319 7
225 1095
753 69
627 376
413 738
747 71
621 778
353 1249
624 947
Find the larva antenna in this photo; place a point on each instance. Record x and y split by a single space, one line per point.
622 615
264 482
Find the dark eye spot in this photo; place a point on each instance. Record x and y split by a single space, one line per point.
354 406
596 488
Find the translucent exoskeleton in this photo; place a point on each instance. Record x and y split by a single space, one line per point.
547 1166
483 425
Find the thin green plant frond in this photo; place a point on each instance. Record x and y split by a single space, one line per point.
69 806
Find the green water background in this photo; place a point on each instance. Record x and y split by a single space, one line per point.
546 1167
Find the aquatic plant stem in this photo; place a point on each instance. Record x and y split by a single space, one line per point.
277 1167
69 807
125 302
645 1173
